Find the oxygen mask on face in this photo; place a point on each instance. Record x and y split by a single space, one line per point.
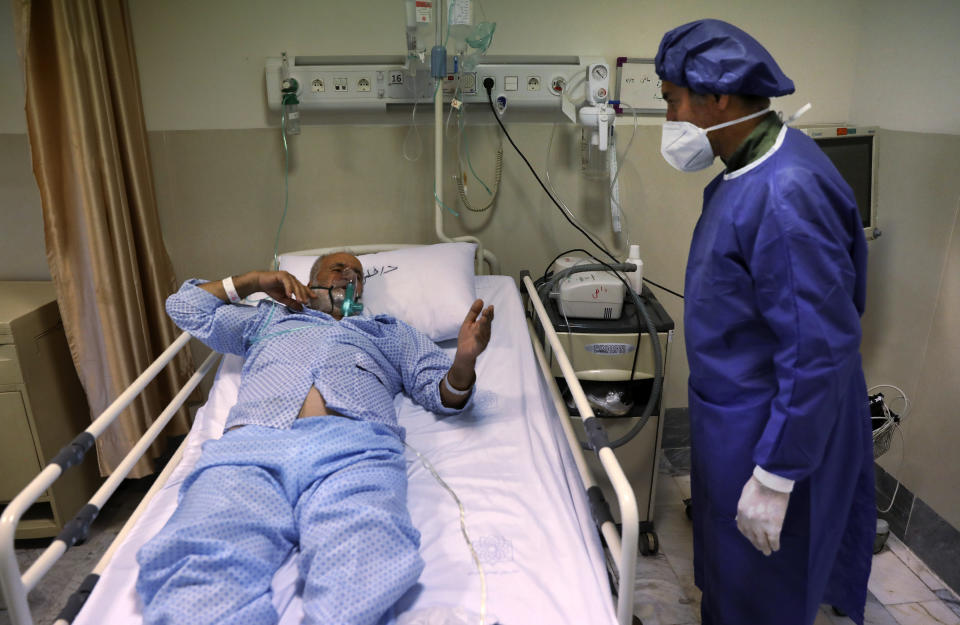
342 297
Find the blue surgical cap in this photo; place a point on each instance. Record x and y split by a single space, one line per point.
711 56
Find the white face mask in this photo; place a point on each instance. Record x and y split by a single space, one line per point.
686 146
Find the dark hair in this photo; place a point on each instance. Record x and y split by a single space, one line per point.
754 102
749 102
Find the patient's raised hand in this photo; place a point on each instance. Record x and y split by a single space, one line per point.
474 333
284 288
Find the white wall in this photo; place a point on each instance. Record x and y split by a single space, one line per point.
907 80
12 119
22 253
907 75
201 63
201 67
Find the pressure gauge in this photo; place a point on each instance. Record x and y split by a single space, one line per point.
598 83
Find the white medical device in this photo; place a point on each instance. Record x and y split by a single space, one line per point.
597 116
588 294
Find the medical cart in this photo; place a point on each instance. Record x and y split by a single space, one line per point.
602 354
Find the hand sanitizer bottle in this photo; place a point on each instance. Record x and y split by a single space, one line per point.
635 278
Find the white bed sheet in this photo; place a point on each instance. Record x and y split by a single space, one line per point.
506 459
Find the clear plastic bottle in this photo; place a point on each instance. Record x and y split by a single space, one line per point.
420 27
292 113
635 278
291 104
460 20
410 13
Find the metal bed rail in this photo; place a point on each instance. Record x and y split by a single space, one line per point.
623 548
77 599
14 586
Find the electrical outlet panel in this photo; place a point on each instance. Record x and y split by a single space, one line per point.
373 83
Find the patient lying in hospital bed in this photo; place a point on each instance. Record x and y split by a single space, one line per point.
311 457
536 557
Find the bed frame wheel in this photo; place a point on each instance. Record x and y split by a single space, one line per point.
688 508
649 543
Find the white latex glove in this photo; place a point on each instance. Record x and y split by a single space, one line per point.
760 514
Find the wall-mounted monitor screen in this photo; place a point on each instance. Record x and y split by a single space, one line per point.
853 151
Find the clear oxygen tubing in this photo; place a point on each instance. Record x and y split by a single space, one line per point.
438 124
463 146
413 130
438 151
572 83
286 187
463 530
416 96
623 159
553 189
438 146
456 94
896 489
526 162
486 254
466 150
497 174
547 288
543 186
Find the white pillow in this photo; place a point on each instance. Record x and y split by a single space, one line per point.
431 287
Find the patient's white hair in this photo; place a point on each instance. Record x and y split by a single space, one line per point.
316 264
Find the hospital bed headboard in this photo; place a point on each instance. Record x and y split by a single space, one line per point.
372 248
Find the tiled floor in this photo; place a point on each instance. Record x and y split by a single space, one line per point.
902 590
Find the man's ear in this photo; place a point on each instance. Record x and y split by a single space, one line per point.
724 101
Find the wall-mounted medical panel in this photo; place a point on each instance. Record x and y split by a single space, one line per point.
376 83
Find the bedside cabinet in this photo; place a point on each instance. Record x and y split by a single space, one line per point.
42 407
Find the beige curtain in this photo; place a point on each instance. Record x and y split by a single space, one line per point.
91 161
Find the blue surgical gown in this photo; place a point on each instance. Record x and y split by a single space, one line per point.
775 287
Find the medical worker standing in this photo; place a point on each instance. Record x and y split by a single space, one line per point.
782 464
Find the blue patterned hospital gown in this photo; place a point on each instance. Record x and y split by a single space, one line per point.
333 487
358 364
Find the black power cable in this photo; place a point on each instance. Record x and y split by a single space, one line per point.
488 85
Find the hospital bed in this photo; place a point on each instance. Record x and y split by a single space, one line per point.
515 465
